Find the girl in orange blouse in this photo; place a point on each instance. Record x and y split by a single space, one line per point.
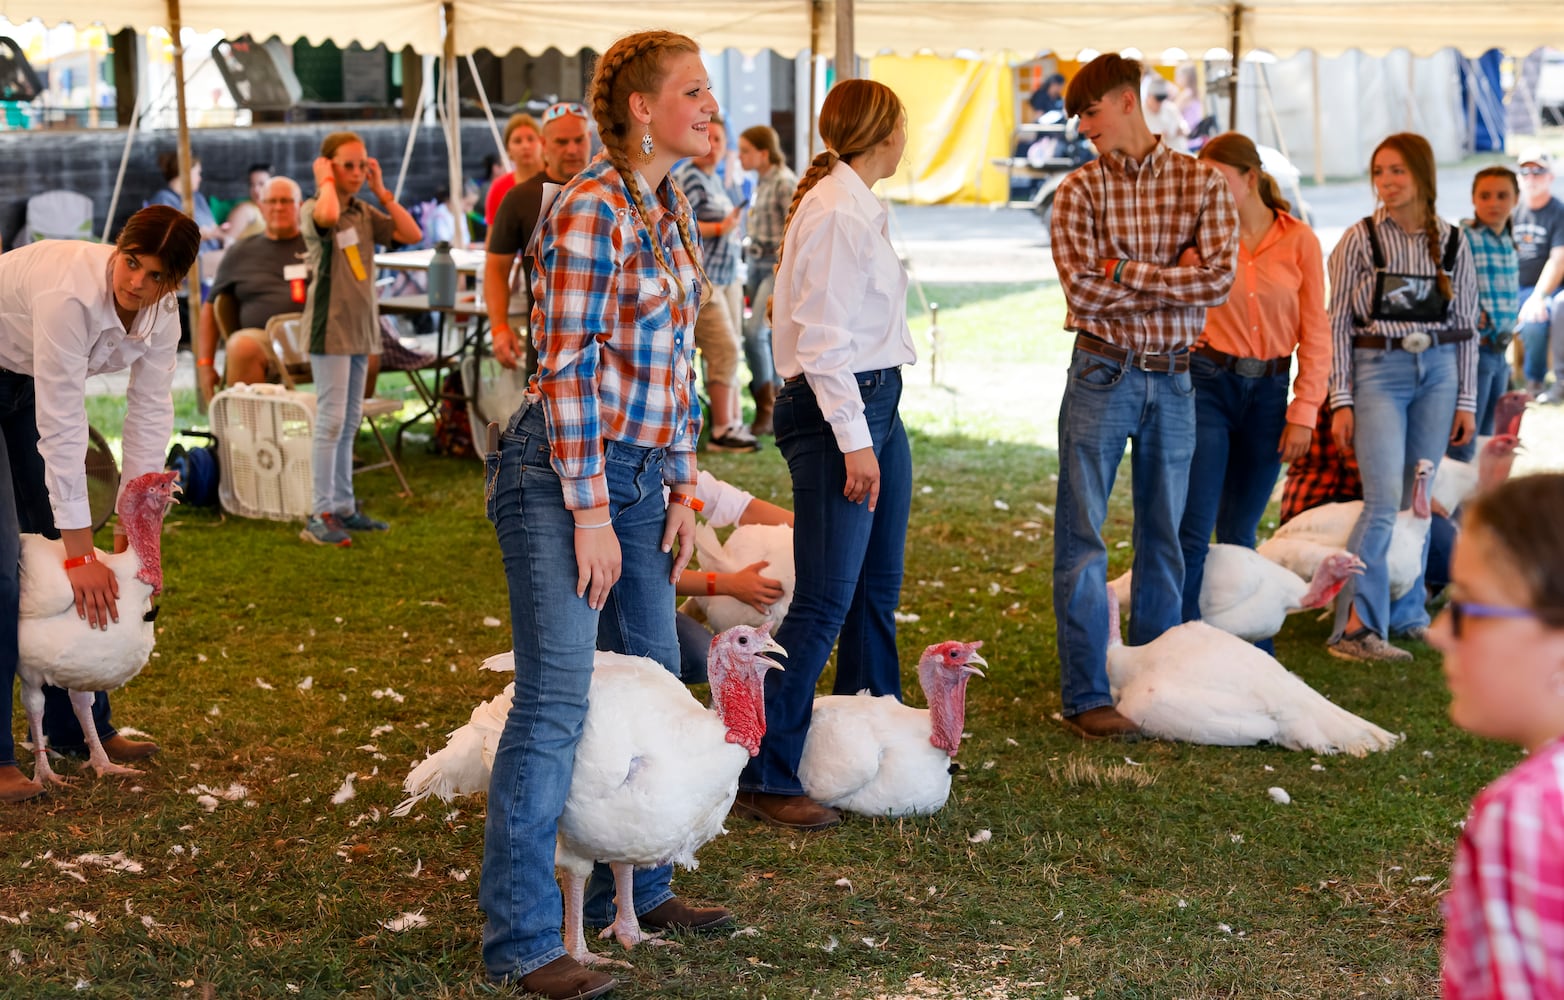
1244 427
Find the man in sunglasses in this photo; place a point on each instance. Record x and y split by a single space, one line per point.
1538 225
567 144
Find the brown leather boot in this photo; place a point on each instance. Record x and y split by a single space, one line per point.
121 749
1104 723
677 915
796 812
567 979
16 786
765 402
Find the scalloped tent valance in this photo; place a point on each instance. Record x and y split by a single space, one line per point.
1278 26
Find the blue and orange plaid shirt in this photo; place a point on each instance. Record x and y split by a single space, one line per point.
1498 278
613 333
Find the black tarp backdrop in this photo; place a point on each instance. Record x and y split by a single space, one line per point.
86 161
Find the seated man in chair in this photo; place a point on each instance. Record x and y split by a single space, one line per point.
254 272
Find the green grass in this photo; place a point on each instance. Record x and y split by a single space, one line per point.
1103 878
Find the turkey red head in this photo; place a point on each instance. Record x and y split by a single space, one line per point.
736 668
143 503
943 671
1330 576
1508 411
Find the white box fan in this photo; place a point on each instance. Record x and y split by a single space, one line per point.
264 436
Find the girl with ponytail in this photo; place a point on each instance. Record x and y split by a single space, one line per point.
840 338
1244 427
591 542
1403 312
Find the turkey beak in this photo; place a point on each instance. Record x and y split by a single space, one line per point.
968 667
771 646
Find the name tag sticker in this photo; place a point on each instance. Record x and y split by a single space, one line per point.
295 272
347 238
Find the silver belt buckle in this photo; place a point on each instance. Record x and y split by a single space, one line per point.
1249 367
1416 342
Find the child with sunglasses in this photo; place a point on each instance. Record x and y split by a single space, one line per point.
1502 636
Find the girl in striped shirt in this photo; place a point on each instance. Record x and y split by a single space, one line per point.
1403 312
1502 636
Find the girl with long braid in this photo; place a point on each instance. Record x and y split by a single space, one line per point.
1403 311
840 338
590 543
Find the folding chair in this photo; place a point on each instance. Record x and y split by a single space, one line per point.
285 333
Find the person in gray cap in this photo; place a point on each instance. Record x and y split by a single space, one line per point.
1538 224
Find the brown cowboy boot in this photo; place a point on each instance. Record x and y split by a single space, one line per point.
765 402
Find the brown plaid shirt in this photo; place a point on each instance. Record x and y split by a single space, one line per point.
1144 213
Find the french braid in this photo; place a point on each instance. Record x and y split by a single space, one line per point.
634 63
1436 249
818 168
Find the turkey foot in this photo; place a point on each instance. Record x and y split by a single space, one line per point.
626 928
575 938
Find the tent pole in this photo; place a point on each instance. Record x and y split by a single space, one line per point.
1319 119
846 61
176 28
453 111
124 161
814 56
488 110
413 126
1238 50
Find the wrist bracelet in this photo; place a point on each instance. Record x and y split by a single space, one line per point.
693 503
711 585
590 527
76 561
1118 271
204 362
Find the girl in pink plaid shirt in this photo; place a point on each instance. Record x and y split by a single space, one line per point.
1502 637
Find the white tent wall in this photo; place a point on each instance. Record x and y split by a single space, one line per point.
1363 98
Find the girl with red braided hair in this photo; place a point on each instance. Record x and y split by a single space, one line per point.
576 491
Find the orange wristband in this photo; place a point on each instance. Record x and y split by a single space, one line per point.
76 561
1107 268
693 503
711 585
204 362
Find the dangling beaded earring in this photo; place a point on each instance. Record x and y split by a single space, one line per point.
647 149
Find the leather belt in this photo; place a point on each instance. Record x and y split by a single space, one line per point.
1415 342
1246 367
1168 363
793 379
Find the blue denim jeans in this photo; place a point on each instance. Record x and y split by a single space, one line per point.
24 507
339 406
1537 337
848 563
694 649
1106 405
1493 381
757 332
1403 407
1238 428
555 634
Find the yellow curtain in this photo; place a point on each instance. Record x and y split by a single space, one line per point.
960 114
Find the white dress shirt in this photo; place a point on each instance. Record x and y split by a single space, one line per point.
840 303
58 324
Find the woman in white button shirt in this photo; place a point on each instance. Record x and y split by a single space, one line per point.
69 310
840 337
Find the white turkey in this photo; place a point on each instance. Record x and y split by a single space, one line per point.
56 646
748 544
1250 596
879 757
1331 525
1456 481
655 772
1201 685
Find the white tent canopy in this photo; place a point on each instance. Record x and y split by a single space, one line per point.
1282 27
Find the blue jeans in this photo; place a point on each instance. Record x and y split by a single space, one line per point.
339 406
849 570
1403 407
555 634
1537 336
757 332
24 507
694 649
1493 381
1238 429
1104 406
